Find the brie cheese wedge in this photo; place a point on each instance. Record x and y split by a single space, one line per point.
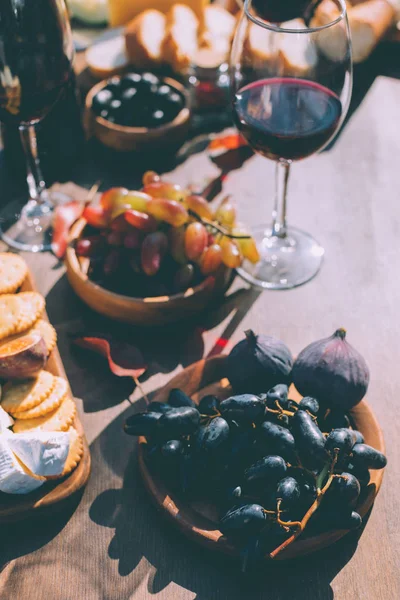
43 452
15 478
5 420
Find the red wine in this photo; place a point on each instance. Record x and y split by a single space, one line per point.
278 11
35 64
287 118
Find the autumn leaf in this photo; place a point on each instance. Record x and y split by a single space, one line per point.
65 216
124 360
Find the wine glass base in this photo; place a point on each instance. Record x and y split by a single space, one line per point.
285 262
28 228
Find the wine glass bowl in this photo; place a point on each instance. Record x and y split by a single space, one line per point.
36 52
291 87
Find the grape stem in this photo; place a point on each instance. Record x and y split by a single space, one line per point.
327 470
218 228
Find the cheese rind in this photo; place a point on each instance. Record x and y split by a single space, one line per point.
14 477
43 452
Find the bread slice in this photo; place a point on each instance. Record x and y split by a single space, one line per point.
215 41
143 38
180 44
107 58
298 55
259 44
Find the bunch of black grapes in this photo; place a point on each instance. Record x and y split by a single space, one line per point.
264 461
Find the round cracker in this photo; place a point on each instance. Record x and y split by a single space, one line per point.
10 311
13 271
74 455
48 405
32 305
48 333
59 420
24 395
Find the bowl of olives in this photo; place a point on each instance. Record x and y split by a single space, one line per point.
138 112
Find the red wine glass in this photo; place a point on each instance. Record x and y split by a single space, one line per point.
36 52
291 85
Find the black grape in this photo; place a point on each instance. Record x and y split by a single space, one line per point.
209 405
340 439
367 457
178 422
245 408
344 490
142 423
310 441
177 398
172 449
244 520
363 475
269 468
310 404
343 520
358 436
278 440
212 436
160 407
278 393
288 490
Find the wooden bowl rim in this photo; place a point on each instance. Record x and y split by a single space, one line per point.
180 118
73 262
180 512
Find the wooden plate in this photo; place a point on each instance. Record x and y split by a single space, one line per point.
142 311
13 506
197 521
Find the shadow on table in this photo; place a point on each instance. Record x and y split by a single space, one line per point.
164 348
140 531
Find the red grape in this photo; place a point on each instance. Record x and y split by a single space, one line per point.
196 238
183 278
211 259
132 239
200 206
163 189
96 216
110 198
151 177
115 238
169 211
153 251
141 220
120 224
89 246
112 262
176 238
231 256
226 213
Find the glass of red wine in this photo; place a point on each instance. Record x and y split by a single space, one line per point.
291 84
36 52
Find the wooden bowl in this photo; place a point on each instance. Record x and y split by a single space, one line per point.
168 137
198 520
142 311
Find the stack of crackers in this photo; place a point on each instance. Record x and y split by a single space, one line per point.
44 402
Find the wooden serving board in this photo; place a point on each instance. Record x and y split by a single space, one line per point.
198 520
13 506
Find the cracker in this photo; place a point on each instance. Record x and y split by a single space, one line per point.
10 311
24 395
74 455
58 420
13 271
48 333
31 307
48 405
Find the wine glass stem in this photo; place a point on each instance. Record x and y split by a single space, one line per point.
35 180
282 173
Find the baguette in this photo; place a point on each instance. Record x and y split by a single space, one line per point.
107 58
180 43
215 41
143 38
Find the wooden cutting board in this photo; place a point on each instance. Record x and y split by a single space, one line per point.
14 507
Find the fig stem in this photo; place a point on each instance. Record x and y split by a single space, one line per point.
250 336
313 508
341 333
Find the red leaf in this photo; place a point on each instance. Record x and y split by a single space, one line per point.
64 216
124 359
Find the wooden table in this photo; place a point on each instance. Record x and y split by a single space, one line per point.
111 544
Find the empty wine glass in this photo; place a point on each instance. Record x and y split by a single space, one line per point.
291 85
36 52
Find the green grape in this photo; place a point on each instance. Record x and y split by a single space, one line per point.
170 211
226 213
211 259
196 238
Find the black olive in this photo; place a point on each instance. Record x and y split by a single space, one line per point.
150 79
102 100
130 95
158 118
131 80
114 86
